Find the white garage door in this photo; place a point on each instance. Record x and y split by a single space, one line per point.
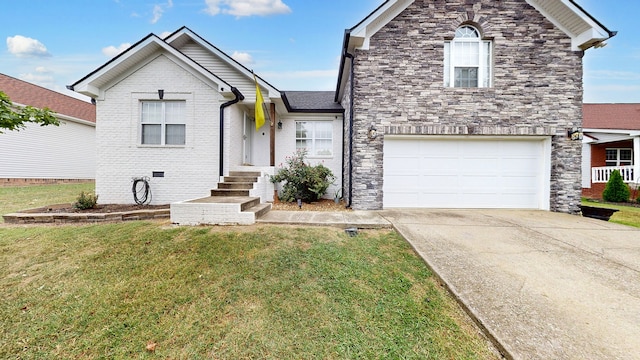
467 172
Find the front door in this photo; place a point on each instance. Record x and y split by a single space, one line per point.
247 131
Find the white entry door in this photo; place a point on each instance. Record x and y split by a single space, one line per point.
467 172
246 140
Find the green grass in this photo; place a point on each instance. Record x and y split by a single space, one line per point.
17 198
627 215
275 292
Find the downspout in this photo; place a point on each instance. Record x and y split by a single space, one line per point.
239 97
351 87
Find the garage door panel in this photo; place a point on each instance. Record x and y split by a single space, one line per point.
464 173
404 181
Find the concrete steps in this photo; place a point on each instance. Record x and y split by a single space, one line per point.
229 204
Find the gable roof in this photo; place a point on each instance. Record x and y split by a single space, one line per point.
184 34
139 52
311 102
583 29
24 93
611 116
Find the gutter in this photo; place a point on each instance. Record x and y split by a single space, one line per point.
239 97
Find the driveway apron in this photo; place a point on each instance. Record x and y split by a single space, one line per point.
543 285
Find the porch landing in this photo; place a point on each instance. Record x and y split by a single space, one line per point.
219 210
239 199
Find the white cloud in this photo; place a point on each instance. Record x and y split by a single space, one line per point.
42 70
243 58
21 46
164 34
111 51
246 7
46 81
158 10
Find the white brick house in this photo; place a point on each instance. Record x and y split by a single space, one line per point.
164 105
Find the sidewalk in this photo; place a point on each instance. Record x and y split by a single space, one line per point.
343 219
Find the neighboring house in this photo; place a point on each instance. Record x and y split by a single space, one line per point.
462 104
470 102
611 142
41 154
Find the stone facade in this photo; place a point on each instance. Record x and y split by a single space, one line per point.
398 87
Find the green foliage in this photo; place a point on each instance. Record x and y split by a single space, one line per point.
302 181
616 190
11 119
86 201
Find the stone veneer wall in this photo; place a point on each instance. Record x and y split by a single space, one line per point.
537 89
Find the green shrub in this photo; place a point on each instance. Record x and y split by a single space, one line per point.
616 190
86 201
302 181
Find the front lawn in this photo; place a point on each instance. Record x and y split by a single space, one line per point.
276 292
628 215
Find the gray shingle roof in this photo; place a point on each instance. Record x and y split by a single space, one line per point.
311 101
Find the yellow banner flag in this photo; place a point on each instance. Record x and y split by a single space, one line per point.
259 115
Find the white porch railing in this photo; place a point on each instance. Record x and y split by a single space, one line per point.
601 174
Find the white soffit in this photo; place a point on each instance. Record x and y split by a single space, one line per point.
584 31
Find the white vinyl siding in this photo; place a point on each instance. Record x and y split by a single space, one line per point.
221 68
67 151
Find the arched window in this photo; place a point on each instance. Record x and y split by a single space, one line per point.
467 59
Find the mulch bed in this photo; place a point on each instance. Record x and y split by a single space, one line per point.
321 205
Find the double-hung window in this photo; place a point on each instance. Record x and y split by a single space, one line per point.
467 59
163 123
316 137
619 157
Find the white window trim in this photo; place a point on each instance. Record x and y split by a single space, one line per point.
311 152
618 160
162 124
485 63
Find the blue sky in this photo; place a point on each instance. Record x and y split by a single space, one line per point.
293 44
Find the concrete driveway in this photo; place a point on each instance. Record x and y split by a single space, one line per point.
544 285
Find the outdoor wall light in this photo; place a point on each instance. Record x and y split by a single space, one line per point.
373 132
574 134
279 125
161 94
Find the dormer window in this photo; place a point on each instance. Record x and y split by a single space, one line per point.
467 59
